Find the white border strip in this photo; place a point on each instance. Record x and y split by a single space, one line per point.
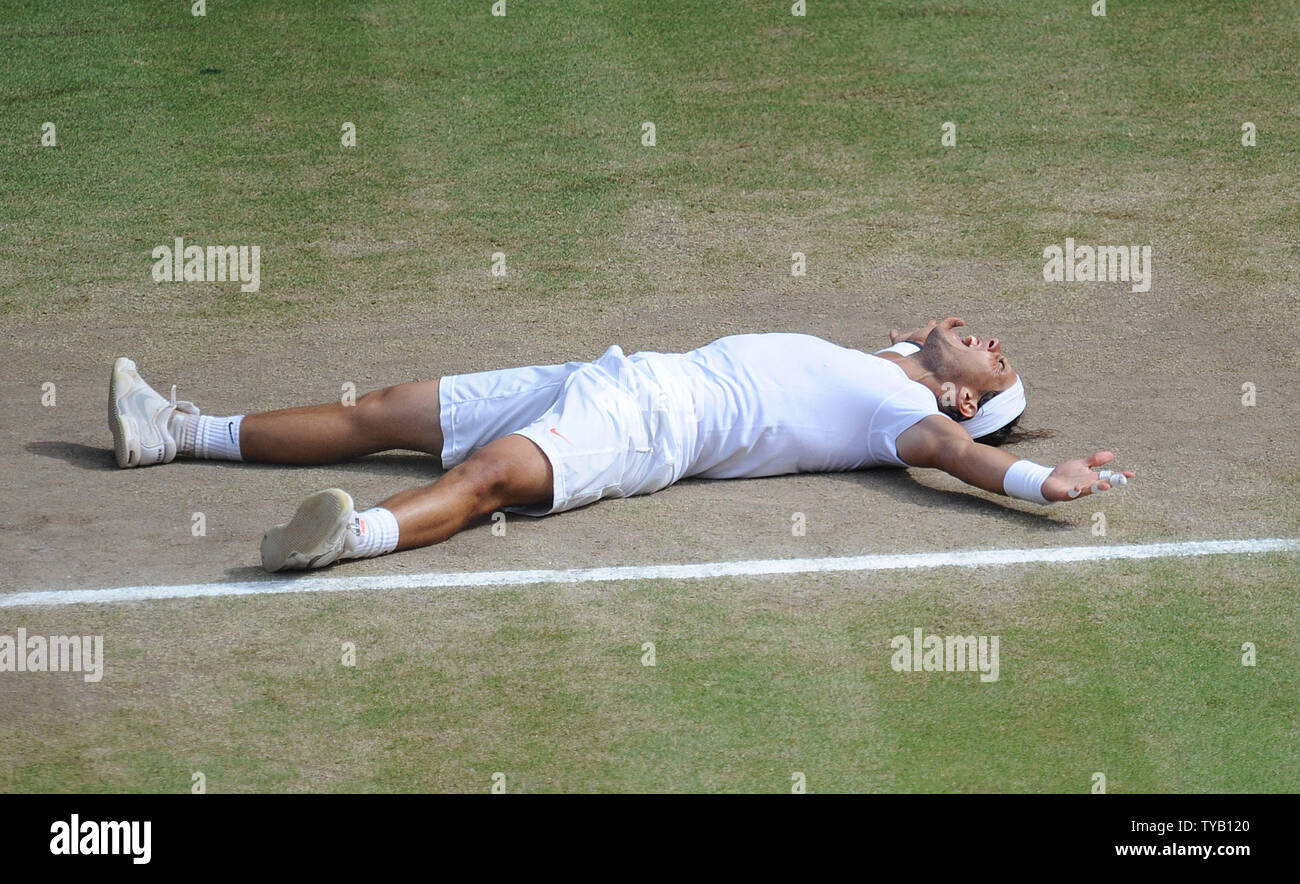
750 568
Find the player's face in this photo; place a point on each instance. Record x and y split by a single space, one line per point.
975 365
975 361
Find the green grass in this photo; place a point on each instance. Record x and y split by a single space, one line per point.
522 134
1132 669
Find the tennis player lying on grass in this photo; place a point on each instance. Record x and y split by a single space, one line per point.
549 438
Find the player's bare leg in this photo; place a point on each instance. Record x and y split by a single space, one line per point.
149 428
511 471
403 416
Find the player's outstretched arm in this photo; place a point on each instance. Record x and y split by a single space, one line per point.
942 444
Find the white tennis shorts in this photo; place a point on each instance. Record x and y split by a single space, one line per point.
605 426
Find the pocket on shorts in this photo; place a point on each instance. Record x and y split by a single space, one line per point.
652 462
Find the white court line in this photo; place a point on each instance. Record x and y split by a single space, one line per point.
703 570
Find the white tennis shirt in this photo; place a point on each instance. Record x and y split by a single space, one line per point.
769 404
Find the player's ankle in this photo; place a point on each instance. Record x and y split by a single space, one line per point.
210 438
373 532
183 427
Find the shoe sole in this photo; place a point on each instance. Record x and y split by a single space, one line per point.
312 533
123 435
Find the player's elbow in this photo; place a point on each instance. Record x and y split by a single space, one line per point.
952 455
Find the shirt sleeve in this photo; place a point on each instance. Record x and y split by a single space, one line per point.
895 416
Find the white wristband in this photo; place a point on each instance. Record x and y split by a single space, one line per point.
903 348
1024 480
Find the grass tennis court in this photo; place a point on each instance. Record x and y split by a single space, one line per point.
775 134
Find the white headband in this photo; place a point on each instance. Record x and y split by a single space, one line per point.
997 412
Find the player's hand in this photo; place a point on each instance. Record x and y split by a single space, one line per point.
1077 478
917 337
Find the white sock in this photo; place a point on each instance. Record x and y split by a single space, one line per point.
370 533
183 428
212 438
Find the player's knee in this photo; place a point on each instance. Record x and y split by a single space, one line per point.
400 416
491 478
373 412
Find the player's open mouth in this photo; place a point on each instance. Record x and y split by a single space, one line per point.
971 341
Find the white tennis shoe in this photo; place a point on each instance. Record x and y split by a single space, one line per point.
314 537
141 418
